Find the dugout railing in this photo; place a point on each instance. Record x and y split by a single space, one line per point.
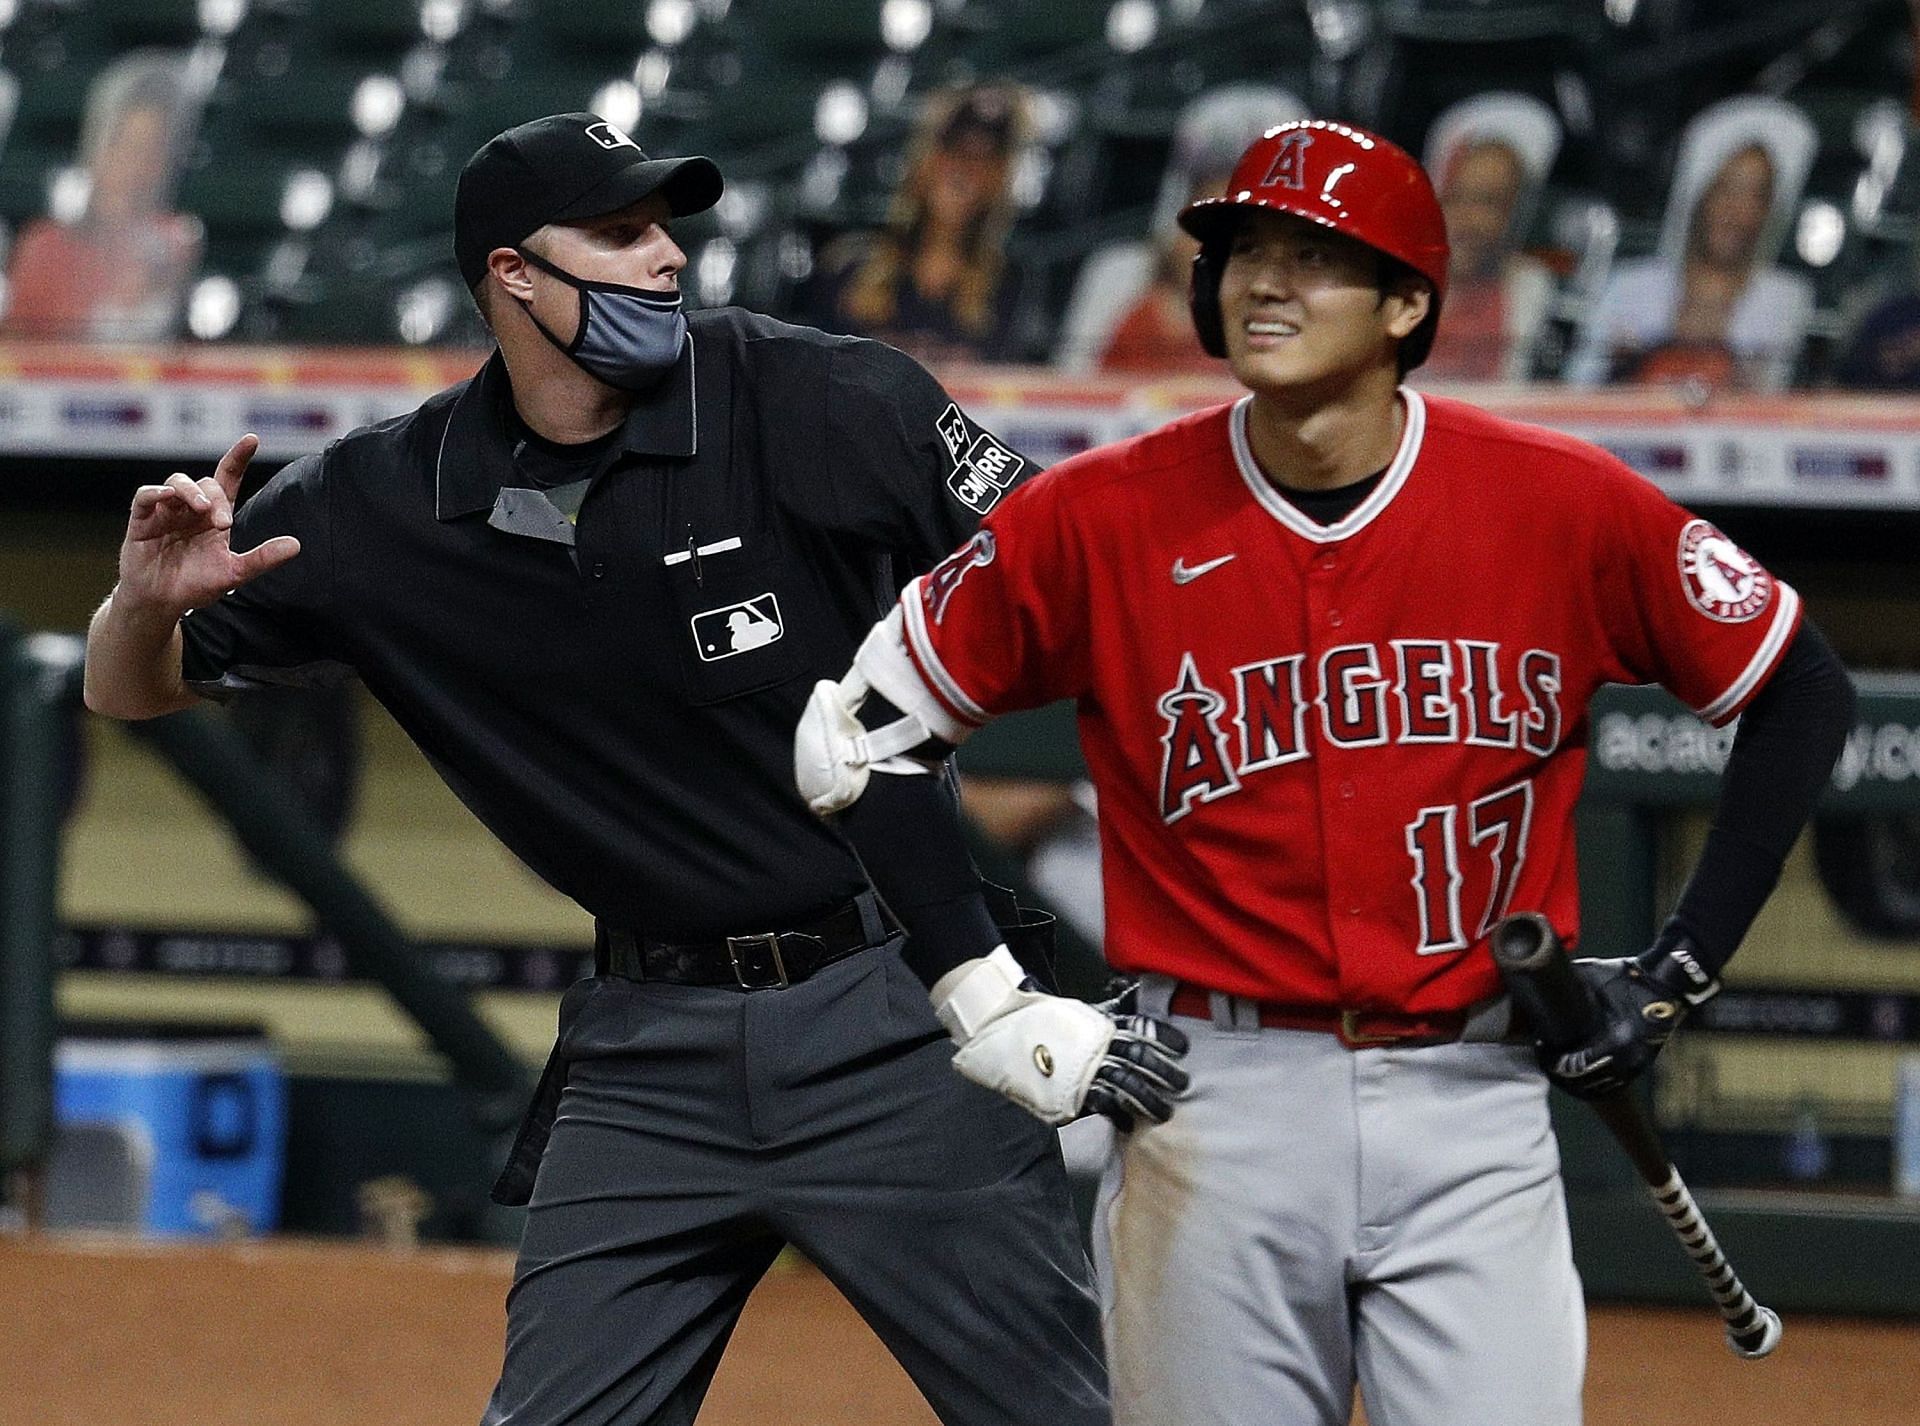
40 677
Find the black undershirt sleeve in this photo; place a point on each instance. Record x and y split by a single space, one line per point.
908 833
1783 754
909 837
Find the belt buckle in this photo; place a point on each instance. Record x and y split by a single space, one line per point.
739 947
1351 1037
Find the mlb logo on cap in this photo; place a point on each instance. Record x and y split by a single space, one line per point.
608 137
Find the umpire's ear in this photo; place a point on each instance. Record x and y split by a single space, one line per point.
512 271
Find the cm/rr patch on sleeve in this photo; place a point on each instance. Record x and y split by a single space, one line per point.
983 465
1722 580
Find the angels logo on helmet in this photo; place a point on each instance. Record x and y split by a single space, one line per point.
1289 162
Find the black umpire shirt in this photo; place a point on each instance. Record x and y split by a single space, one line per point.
610 675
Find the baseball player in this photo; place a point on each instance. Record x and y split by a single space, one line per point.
1332 648
595 584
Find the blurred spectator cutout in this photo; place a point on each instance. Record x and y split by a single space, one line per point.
1883 353
116 268
1711 306
1490 156
1881 347
934 282
1128 312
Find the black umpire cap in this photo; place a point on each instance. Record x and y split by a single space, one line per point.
560 169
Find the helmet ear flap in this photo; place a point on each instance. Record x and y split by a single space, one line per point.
1203 299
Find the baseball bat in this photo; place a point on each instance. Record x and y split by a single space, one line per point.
1544 985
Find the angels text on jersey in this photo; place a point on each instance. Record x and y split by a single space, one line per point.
1224 726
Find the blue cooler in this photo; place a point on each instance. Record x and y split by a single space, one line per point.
173 1131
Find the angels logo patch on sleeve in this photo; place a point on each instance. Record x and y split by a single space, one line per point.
984 466
940 585
1722 580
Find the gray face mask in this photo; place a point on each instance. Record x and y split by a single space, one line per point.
628 337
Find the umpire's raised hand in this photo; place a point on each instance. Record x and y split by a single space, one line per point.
1056 1057
176 555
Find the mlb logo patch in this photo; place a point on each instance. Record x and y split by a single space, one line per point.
608 137
738 628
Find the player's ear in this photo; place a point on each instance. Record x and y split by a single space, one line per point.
1405 304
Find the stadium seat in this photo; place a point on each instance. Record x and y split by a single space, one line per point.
237 192
374 29
602 29
53 80
344 313
25 174
524 83
1017 35
124 24
308 109
240 256
1484 21
842 37
764 104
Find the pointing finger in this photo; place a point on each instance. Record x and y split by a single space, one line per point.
233 465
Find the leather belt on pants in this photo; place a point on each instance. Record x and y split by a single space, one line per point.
760 960
1356 1029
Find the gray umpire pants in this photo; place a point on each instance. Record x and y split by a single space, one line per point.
702 1128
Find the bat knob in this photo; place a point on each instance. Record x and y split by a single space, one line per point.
1524 941
1757 1340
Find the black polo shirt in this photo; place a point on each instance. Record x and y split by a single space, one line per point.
615 694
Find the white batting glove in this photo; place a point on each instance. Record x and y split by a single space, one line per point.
1055 1057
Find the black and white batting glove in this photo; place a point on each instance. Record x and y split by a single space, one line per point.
1056 1057
1642 1001
1139 1077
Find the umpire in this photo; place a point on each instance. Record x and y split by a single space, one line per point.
595 584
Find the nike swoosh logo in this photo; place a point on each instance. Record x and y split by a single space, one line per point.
1184 573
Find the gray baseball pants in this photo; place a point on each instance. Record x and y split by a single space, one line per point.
1314 1215
701 1129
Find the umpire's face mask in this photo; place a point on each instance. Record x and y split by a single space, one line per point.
628 336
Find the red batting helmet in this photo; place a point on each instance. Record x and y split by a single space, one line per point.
1343 178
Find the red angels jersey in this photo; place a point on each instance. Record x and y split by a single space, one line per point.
1330 758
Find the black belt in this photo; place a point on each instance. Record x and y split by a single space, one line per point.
763 960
